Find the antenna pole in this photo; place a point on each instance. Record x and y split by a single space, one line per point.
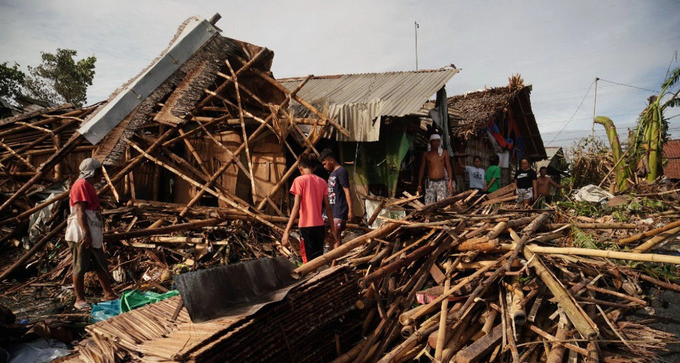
416 30
592 133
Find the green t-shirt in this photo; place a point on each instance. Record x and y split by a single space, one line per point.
493 171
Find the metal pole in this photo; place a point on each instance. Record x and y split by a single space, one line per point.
416 29
592 133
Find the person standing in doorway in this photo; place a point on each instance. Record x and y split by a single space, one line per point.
525 183
339 194
311 194
476 174
436 160
492 176
84 233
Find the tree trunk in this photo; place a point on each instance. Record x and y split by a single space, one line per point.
621 169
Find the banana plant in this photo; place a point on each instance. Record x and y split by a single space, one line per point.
651 131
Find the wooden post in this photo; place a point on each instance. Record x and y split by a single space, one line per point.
161 230
344 249
585 326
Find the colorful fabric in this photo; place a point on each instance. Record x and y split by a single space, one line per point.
82 191
312 189
435 191
493 171
338 180
476 176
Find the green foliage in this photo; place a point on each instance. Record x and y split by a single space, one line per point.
61 78
583 240
585 157
582 208
620 216
11 80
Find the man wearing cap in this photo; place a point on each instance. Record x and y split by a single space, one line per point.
84 232
438 165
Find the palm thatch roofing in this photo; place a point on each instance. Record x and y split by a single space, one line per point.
471 112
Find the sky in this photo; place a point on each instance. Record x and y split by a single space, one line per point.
559 47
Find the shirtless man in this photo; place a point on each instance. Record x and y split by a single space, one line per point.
436 159
543 184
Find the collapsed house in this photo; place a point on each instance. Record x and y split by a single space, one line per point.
198 150
382 113
497 121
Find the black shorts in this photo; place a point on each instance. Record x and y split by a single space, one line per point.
311 244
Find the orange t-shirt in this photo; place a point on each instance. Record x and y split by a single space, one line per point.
312 189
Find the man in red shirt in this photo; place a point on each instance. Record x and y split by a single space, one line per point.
311 193
84 232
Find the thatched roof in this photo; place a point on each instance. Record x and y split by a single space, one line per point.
469 113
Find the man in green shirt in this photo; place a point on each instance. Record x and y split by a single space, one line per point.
492 176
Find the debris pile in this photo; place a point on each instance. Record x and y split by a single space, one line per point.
492 283
315 317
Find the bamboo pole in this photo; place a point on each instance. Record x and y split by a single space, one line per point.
654 241
441 333
301 101
220 196
161 230
344 249
643 257
649 233
585 326
37 141
110 184
45 168
410 316
194 153
243 129
21 158
557 351
131 164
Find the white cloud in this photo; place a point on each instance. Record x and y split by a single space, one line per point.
559 47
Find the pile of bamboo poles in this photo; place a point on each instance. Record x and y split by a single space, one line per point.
490 284
243 100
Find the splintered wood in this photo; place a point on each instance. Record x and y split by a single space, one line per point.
469 281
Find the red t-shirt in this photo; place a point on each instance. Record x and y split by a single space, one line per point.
82 191
312 189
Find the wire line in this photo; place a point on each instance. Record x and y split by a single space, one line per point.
572 116
627 85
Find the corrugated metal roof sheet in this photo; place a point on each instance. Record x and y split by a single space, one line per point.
671 151
194 35
356 101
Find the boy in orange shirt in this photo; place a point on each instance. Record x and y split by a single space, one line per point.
311 193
